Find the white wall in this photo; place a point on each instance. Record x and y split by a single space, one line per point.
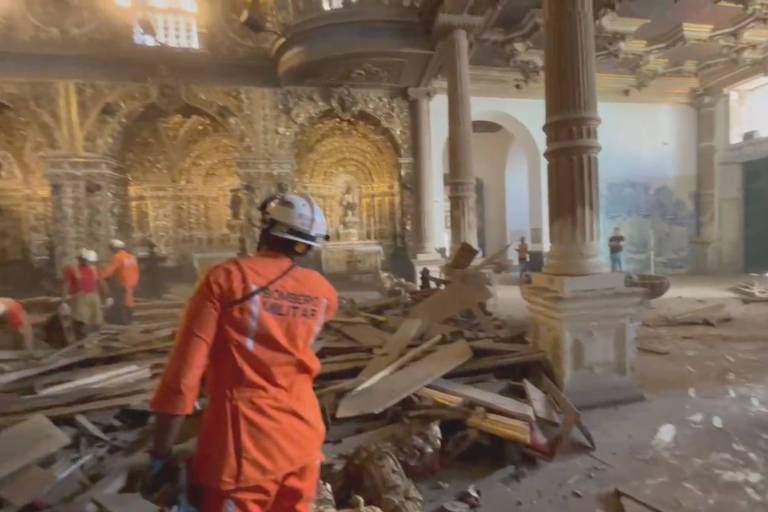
651 144
490 159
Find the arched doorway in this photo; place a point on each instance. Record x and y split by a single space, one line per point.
511 186
182 175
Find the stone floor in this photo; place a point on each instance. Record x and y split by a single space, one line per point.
710 391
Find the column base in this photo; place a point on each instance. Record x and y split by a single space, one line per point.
705 257
584 325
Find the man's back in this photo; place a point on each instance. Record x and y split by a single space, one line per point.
263 416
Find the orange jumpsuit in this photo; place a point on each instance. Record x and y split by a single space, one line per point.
125 268
259 445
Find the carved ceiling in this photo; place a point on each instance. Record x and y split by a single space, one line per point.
394 44
644 39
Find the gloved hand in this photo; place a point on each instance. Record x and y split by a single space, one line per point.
160 482
109 302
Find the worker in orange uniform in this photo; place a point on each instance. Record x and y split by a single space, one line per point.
124 273
15 328
250 327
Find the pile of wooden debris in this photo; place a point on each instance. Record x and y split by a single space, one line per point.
408 382
753 290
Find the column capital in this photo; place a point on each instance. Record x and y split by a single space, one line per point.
420 93
448 25
702 101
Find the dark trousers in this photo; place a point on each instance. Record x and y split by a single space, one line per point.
119 313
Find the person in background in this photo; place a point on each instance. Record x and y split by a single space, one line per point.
522 257
83 289
249 328
15 328
616 246
123 273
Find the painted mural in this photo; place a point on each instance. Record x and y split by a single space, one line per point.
657 219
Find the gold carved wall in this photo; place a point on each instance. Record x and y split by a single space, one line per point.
179 165
24 193
182 174
350 165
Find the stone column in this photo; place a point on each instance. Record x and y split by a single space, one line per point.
461 178
88 202
706 186
581 318
572 146
420 99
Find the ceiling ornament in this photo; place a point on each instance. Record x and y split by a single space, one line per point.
518 47
304 106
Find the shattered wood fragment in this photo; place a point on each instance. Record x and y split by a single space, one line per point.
401 362
499 403
26 485
88 427
365 335
407 332
542 405
27 442
463 257
467 289
402 383
571 417
352 443
501 426
490 363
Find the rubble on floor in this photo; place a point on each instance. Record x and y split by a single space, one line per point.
409 383
752 290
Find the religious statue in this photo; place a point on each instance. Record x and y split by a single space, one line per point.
348 207
235 204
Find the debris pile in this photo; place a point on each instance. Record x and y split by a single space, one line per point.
409 383
753 290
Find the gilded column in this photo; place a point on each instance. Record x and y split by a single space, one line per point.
572 146
461 178
420 99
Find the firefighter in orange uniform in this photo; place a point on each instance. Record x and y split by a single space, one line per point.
124 273
250 327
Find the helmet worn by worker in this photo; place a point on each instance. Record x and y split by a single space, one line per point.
294 217
3 309
117 244
88 255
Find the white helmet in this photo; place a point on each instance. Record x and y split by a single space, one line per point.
295 217
3 309
117 244
88 255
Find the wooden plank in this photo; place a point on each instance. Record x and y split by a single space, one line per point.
501 426
26 485
542 406
125 503
463 257
491 345
466 291
407 332
89 428
90 380
55 412
401 362
571 417
366 335
400 384
29 441
351 443
489 363
495 402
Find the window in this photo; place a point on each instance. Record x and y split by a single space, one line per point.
164 22
748 105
